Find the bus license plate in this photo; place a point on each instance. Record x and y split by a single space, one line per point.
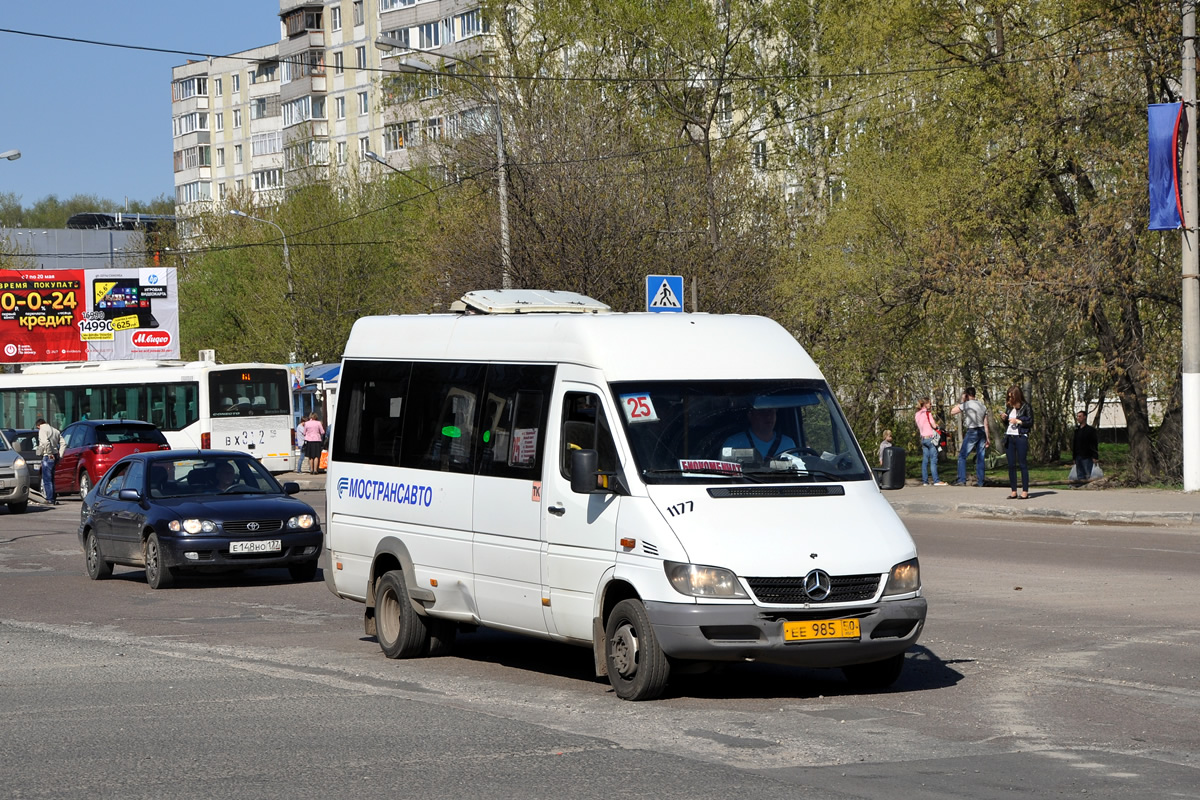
820 629
256 546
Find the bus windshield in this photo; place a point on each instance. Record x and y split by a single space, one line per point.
739 431
249 392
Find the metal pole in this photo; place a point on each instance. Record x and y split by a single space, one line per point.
1191 265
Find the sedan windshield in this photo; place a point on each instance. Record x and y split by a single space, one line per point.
187 477
738 431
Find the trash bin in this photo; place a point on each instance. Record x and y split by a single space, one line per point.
891 475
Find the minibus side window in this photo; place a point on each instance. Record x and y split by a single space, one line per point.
585 427
370 414
442 416
512 433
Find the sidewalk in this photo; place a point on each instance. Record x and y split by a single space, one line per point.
1108 506
1113 506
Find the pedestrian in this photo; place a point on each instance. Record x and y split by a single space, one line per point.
314 435
977 438
50 447
1019 417
930 436
1085 448
885 445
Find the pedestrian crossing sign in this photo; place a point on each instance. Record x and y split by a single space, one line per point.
664 293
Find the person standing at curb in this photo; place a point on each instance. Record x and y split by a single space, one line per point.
49 447
928 430
1019 417
1085 448
977 438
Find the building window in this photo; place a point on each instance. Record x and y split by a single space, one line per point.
341 152
220 156
335 18
338 66
393 137
358 12
237 118
219 121
218 86
758 154
236 82
237 154
363 108
725 108
360 57
339 103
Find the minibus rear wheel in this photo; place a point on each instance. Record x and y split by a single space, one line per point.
400 630
637 667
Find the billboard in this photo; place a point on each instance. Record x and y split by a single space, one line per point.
88 315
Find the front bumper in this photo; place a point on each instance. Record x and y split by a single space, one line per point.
213 551
755 633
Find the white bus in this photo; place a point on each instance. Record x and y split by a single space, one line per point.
202 404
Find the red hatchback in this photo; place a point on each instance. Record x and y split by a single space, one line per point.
94 445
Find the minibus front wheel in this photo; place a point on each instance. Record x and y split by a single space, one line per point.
637 667
398 627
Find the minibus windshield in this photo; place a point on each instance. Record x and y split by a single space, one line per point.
738 431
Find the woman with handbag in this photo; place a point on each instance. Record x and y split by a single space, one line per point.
1019 418
930 436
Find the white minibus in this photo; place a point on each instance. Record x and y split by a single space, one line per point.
664 488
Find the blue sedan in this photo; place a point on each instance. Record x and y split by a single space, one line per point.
174 510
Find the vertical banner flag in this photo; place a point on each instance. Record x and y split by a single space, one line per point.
1166 207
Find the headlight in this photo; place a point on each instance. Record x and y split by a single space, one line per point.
905 578
192 526
697 581
303 521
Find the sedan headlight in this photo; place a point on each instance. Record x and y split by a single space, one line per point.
192 526
698 581
904 579
301 521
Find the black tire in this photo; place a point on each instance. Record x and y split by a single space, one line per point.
18 508
876 675
85 483
637 667
97 568
303 572
399 628
158 574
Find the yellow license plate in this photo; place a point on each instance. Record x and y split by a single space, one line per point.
814 630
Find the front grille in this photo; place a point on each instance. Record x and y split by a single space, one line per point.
243 526
790 591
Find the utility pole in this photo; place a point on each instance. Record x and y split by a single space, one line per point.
1191 263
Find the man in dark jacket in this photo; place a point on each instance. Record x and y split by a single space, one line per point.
1084 448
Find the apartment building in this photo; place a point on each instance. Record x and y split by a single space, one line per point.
250 124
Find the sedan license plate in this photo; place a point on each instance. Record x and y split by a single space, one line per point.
256 546
814 630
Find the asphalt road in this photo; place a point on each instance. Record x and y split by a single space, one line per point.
1058 661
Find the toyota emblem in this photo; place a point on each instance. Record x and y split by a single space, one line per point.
817 585
253 526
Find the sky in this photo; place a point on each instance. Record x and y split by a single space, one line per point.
97 120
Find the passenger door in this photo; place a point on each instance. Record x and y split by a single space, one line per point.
579 530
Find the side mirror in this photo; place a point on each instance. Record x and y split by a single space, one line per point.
584 464
291 487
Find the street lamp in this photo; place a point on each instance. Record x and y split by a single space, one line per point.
11 155
387 43
287 268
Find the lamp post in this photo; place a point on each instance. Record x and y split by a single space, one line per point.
388 43
11 155
287 268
